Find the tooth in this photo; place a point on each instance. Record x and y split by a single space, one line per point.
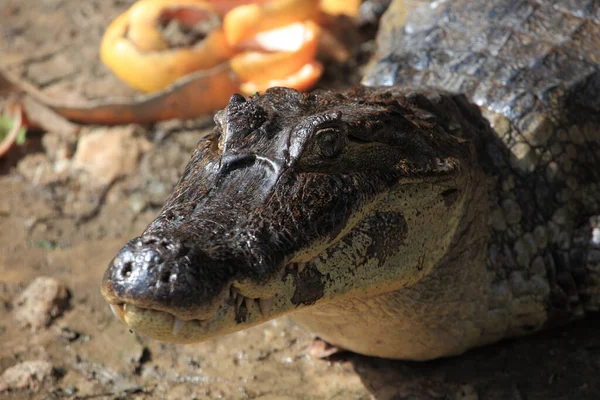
238 299
248 301
265 306
177 325
300 266
118 312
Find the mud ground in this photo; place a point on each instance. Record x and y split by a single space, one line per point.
59 221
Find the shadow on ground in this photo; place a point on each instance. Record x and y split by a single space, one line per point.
560 364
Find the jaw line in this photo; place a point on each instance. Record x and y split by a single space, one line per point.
165 326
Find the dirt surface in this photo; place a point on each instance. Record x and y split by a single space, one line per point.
64 213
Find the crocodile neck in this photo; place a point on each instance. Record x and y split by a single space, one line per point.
531 280
541 159
444 313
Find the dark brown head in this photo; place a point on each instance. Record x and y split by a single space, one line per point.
282 180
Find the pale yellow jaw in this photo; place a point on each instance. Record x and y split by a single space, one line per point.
159 325
163 326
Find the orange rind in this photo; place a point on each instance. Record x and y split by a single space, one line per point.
140 56
338 7
244 22
299 49
263 44
303 79
224 6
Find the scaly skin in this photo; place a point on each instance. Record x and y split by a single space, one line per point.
533 69
393 222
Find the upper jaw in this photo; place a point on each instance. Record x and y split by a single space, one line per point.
165 286
166 274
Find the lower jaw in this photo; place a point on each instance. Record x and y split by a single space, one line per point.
161 325
166 327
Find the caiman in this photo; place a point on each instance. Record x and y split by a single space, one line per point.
450 203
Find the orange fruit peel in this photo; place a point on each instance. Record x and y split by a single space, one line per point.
303 79
350 8
240 54
301 41
246 21
134 49
224 6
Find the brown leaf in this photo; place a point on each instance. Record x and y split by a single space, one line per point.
189 97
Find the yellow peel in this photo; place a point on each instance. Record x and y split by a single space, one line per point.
244 22
260 67
303 79
337 7
151 69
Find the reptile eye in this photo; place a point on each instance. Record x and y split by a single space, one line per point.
330 141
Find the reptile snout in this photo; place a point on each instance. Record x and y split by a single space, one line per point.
143 260
144 268
165 272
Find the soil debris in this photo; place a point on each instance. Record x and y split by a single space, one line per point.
109 153
42 301
26 375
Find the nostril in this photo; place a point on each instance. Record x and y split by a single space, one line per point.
126 269
166 243
165 275
148 240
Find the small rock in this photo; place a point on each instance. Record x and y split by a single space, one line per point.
26 375
109 153
69 334
42 301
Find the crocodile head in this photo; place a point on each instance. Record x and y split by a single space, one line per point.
294 200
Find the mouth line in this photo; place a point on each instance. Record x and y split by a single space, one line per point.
120 310
236 299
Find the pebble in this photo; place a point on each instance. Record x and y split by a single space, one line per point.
26 375
43 300
107 153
